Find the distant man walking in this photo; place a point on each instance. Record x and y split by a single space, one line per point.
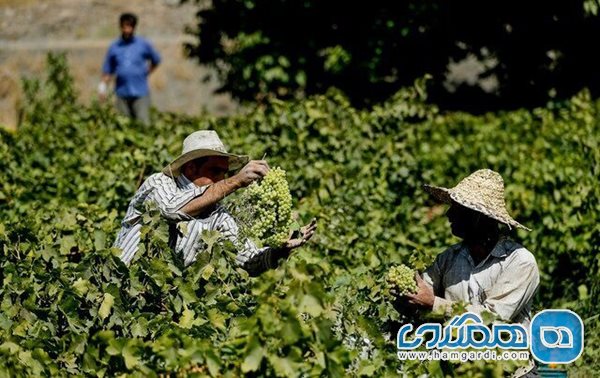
130 59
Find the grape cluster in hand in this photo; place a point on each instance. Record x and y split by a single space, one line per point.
401 279
271 206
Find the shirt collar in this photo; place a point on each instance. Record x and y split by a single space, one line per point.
184 182
501 249
124 42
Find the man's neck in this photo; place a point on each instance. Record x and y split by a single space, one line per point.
481 248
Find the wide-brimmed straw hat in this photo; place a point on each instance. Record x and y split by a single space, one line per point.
482 191
201 144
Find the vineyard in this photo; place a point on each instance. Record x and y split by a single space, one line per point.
70 307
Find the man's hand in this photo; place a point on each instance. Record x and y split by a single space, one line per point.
254 170
103 87
306 233
152 68
102 91
424 296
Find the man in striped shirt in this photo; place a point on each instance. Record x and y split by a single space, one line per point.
187 193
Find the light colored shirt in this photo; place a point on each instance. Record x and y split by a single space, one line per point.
503 283
170 195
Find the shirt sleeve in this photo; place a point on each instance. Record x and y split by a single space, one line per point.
433 275
109 65
253 259
152 54
170 198
513 290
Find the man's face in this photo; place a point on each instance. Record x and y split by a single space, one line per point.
463 221
211 171
127 30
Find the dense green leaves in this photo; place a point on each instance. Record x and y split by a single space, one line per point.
69 306
519 53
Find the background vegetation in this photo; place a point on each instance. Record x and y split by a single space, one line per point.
69 306
535 51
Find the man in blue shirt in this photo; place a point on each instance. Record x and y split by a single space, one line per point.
130 59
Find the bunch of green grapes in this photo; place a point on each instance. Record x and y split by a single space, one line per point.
269 204
402 279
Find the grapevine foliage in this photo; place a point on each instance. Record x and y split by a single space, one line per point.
401 278
266 210
68 306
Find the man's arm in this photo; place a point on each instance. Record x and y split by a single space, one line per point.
153 56
257 260
169 198
103 86
251 258
108 70
176 204
433 274
211 196
254 170
512 291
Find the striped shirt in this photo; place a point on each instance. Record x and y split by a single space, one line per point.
170 195
503 283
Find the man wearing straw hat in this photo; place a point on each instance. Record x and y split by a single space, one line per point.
187 193
485 270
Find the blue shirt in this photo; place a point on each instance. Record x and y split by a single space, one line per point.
128 61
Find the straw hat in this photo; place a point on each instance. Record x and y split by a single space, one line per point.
201 144
482 191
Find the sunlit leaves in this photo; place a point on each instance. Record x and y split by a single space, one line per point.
323 312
